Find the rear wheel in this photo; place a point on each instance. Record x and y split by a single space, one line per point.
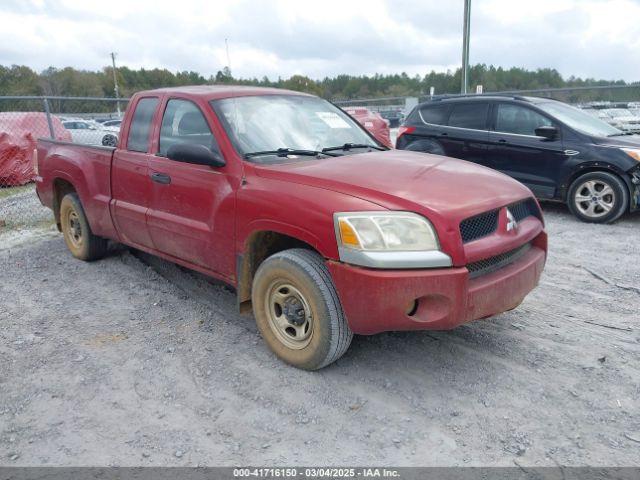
427 146
598 197
109 140
297 309
80 240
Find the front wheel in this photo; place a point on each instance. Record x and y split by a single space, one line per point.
297 309
598 197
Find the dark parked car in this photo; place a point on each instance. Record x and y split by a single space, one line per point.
394 117
560 152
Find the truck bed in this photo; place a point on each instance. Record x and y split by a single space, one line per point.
88 168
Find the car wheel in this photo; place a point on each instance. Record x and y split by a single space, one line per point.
80 240
298 311
109 140
598 197
427 146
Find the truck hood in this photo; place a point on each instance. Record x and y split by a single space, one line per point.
441 188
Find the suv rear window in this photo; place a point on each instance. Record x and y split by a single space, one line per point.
434 114
141 125
469 115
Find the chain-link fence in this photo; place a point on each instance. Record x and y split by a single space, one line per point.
96 121
93 121
392 109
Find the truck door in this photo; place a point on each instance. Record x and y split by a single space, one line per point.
131 185
191 215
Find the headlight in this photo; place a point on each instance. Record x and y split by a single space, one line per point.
632 152
390 231
388 240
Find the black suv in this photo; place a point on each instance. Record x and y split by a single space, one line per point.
560 152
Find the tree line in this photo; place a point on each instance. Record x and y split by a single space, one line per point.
22 80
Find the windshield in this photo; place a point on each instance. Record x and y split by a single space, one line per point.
271 122
579 120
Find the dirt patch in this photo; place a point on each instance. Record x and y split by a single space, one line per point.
134 361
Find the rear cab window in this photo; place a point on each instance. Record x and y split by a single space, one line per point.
140 128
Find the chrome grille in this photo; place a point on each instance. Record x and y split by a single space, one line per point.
491 264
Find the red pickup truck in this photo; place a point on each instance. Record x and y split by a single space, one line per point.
323 231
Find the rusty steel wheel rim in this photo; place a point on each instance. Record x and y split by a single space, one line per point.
74 229
289 315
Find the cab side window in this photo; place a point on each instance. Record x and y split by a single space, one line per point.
183 122
138 140
519 120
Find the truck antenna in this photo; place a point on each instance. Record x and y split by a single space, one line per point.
235 104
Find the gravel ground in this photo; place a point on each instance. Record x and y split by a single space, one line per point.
23 210
134 361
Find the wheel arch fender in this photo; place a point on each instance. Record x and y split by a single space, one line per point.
589 167
64 182
423 144
263 239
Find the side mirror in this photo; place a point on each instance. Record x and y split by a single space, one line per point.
196 154
547 132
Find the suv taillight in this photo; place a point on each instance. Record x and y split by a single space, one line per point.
403 129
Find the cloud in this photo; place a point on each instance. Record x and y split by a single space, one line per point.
594 38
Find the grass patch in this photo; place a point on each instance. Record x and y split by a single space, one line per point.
7 226
10 191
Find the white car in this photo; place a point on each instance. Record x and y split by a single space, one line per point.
112 125
623 118
83 131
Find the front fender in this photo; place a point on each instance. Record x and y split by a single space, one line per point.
297 232
591 166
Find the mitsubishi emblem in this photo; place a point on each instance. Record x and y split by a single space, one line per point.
511 221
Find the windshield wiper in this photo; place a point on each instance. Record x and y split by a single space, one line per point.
621 134
283 152
349 146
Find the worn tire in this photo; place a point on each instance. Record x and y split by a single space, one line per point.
426 146
80 240
619 202
306 272
109 140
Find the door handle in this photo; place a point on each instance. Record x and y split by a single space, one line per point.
502 140
444 134
161 178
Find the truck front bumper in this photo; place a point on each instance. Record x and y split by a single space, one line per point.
437 299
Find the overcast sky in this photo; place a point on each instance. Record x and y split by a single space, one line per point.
595 38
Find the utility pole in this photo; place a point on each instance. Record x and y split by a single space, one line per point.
115 83
466 29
